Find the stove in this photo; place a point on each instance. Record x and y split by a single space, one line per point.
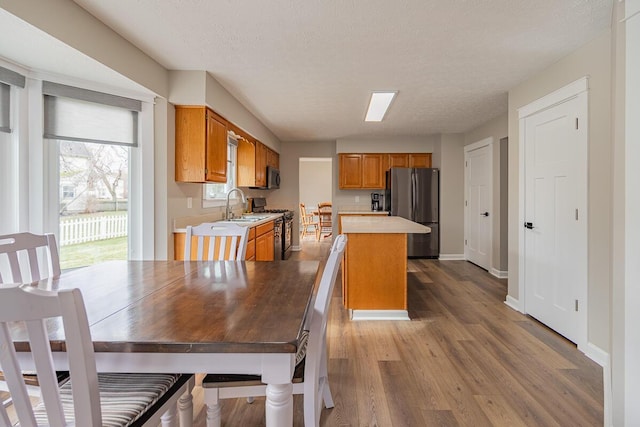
283 227
287 213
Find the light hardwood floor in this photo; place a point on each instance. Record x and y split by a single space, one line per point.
464 359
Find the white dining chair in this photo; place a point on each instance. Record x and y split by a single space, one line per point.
88 398
217 242
20 252
24 257
310 377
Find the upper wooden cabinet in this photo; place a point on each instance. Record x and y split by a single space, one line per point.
253 159
361 171
367 170
420 160
398 161
201 145
372 171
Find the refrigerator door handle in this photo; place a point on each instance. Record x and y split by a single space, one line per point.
414 196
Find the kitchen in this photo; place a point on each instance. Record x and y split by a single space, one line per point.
171 200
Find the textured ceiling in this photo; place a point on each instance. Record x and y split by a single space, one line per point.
306 68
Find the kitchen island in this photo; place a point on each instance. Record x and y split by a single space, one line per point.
374 273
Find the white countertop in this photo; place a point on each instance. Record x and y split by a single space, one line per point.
381 225
268 217
384 213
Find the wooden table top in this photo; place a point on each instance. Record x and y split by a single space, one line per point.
195 307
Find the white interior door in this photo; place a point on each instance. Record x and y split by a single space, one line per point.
555 259
478 203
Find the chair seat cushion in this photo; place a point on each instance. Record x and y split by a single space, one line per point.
123 397
242 380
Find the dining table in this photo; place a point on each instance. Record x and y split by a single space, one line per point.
239 317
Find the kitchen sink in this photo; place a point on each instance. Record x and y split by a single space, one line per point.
248 218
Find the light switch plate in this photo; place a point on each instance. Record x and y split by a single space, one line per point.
357 199
189 202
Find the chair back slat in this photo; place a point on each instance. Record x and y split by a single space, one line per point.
47 378
13 377
25 247
220 242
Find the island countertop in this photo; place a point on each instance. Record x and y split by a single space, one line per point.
378 224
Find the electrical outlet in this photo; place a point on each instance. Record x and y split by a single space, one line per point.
189 202
357 199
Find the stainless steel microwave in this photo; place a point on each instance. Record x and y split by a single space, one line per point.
273 177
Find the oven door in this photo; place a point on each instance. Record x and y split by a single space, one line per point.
288 235
278 239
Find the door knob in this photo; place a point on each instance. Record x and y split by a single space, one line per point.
485 214
528 225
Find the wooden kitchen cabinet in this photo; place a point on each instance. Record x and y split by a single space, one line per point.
260 243
201 145
350 166
420 160
251 245
372 171
361 171
261 165
273 159
253 159
265 239
397 161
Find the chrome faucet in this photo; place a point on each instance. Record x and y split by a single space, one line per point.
227 214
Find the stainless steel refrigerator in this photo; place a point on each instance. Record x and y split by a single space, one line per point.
414 194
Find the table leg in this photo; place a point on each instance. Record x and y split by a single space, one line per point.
279 405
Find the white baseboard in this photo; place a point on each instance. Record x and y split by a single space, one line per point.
513 303
603 359
451 257
379 315
596 354
500 274
296 248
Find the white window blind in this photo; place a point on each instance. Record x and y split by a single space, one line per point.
75 114
7 79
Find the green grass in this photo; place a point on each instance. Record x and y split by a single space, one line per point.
83 254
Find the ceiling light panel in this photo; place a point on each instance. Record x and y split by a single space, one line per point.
378 105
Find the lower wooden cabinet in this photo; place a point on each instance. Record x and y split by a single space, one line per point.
265 238
251 245
259 245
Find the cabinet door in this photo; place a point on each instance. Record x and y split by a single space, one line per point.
372 172
190 144
264 247
261 165
420 160
350 171
246 167
216 152
398 161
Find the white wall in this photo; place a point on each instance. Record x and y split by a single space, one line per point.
592 60
316 180
451 164
417 144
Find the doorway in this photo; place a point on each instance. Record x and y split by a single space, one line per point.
553 273
478 212
315 186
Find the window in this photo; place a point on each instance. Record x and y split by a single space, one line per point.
92 135
219 191
11 84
